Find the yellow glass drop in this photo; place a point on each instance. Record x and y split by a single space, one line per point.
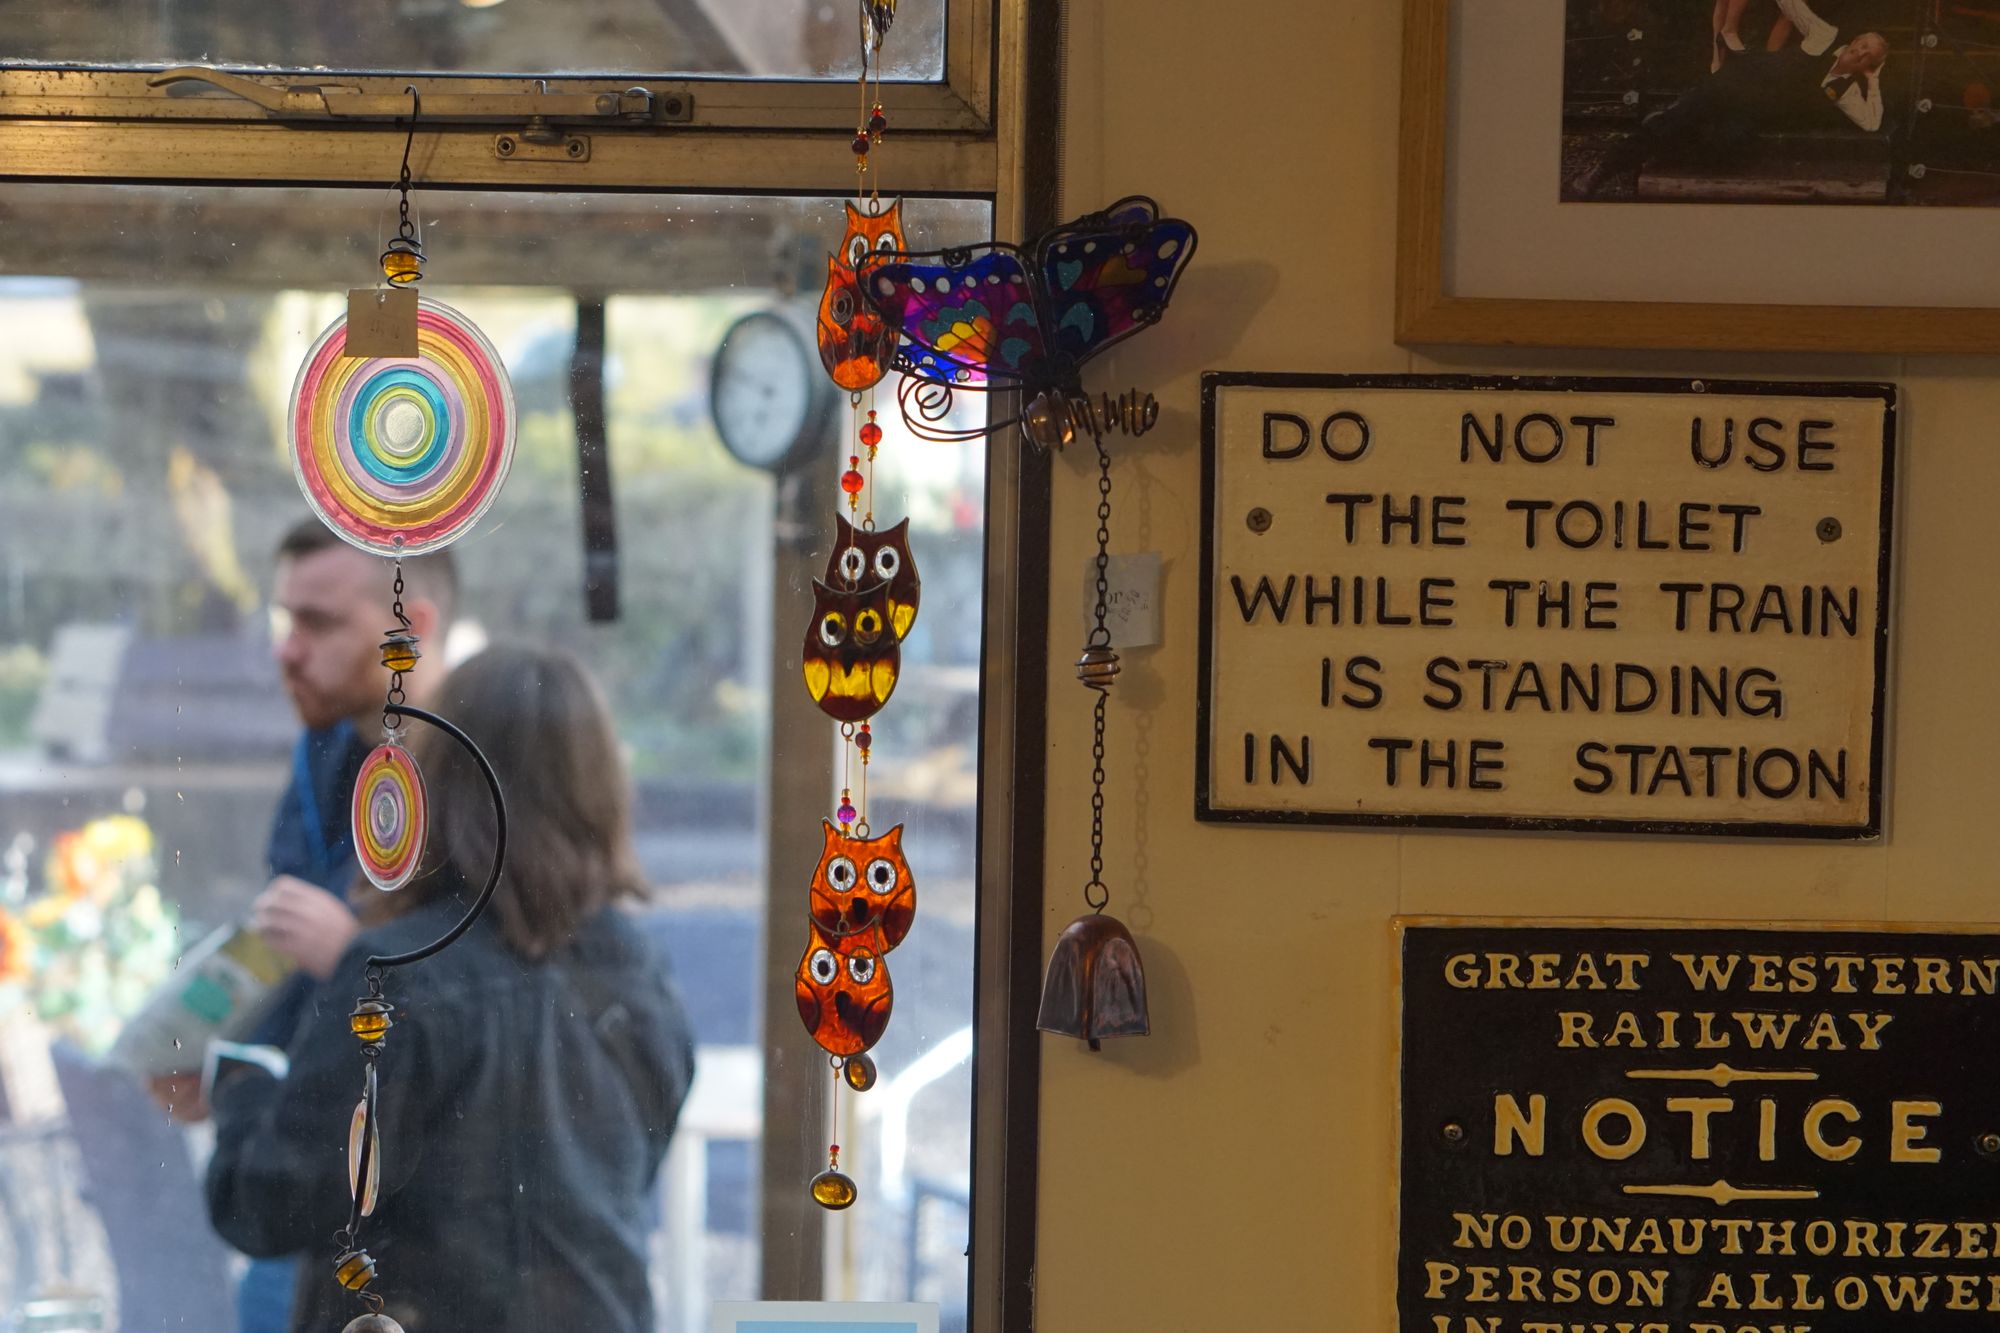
833 1191
859 1071
355 1270
369 1020
400 266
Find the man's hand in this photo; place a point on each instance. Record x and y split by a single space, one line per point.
305 923
179 1095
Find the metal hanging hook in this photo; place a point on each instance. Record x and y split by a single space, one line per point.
403 257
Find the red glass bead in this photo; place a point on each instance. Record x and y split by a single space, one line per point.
851 482
861 144
871 435
877 122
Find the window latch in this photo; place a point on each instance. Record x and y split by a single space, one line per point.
534 107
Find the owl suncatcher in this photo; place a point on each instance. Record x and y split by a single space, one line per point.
863 894
855 344
863 556
851 656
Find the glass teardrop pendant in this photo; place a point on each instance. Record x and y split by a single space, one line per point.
833 1191
361 1129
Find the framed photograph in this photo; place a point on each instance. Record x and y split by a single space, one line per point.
823 1317
1805 175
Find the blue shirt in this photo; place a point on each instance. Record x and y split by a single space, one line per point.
311 839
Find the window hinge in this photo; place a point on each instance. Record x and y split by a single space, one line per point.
534 107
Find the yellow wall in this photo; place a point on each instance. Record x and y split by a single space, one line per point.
1234 1170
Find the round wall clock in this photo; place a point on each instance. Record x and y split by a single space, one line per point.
766 391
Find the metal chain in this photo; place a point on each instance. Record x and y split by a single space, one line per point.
1095 894
405 228
1100 636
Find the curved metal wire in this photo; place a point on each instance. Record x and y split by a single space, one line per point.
472 913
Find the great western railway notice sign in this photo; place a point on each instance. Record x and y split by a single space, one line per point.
1634 1129
1638 605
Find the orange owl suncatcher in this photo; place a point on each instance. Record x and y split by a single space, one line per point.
855 344
863 895
844 998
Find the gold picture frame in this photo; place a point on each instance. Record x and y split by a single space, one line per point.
1427 312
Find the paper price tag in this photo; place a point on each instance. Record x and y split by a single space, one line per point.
381 321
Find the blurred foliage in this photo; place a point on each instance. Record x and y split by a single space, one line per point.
85 947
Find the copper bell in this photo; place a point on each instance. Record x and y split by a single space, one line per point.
1096 985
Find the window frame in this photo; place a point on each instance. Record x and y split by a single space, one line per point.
56 123
984 130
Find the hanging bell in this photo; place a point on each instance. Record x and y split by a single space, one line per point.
1097 666
1096 985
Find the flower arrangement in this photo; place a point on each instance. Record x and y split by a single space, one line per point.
84 952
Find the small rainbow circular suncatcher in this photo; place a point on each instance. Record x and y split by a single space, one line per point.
400 455
390 816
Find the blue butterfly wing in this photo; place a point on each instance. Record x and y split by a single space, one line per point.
1110 274
967 316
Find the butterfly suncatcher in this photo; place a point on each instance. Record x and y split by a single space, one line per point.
1000 316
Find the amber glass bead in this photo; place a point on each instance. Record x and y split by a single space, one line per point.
354 1270
401 267
859 1071
1097 667
399 651
833 1191
370 1019
373 1322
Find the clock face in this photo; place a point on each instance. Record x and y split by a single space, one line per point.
761 391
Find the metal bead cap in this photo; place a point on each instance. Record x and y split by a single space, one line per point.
373 1323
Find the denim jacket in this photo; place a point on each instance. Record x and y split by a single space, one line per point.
524 1110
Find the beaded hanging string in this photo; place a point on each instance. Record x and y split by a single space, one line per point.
399 455
863 898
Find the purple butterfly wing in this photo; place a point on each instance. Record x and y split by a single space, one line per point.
968 316
1110 274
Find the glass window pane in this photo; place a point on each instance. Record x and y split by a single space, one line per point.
148 342
751 38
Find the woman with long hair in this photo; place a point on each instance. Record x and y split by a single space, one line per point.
536 1067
